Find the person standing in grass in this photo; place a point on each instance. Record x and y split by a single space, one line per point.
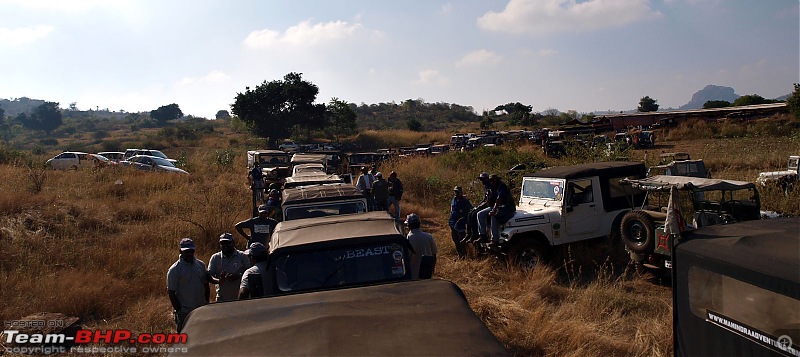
187 283
459 212
228 265
255 279
422 243
380 191
260 227
395 193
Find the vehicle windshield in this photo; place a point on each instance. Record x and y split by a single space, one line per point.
274 160
159 154
793 163
323 210
549 189
162 162
340 267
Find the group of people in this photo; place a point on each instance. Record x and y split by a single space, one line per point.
237 274
383 195
230 269
480 224
243 274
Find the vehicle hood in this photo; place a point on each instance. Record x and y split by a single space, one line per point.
528 218
172 169
415 318
776 174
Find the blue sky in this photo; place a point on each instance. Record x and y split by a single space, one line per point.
593 55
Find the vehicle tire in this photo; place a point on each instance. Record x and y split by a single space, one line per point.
528 253
638 232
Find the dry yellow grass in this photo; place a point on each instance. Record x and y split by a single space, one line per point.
90 247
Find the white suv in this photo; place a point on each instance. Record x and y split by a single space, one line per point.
73 160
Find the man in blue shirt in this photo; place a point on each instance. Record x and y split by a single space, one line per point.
459 212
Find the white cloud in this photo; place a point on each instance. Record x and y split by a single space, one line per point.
478 58
24 35
64 6
431 76
447 8
213 77
546 52
261 39
538 17
306 34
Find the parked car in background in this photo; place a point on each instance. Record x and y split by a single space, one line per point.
288 146
73 160
151 163
115 156
147 152
783 179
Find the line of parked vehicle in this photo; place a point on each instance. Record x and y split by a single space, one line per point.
141 159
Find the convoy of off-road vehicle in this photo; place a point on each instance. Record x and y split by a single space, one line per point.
333 260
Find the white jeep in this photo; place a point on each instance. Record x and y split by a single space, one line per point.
783 179
563 205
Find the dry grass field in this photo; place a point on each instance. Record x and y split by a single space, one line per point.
97 243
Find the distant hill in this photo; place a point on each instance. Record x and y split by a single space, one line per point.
19 105
710 92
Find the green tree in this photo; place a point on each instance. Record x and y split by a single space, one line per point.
223 114
166 112
278 109
647 104
414 124
716 104
751 99
794 101
341 118
46 116
518 113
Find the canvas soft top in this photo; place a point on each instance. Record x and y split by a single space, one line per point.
367 226
317 193
603 169
309 158
743 298
769 249
415 318
664 182
304 180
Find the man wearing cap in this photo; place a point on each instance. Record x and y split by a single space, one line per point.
395 193
380 191
503 208
422 243
187 283
459 211
255 279
228 265
484 207
260 227
256 178
364 183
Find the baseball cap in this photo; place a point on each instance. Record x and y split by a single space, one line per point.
263 208
483 175
187 244
412 218
457 189
256 248
226 237
379 174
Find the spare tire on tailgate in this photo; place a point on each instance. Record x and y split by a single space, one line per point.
638 232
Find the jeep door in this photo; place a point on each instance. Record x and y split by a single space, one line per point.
583 209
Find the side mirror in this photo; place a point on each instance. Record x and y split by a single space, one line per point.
427 266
